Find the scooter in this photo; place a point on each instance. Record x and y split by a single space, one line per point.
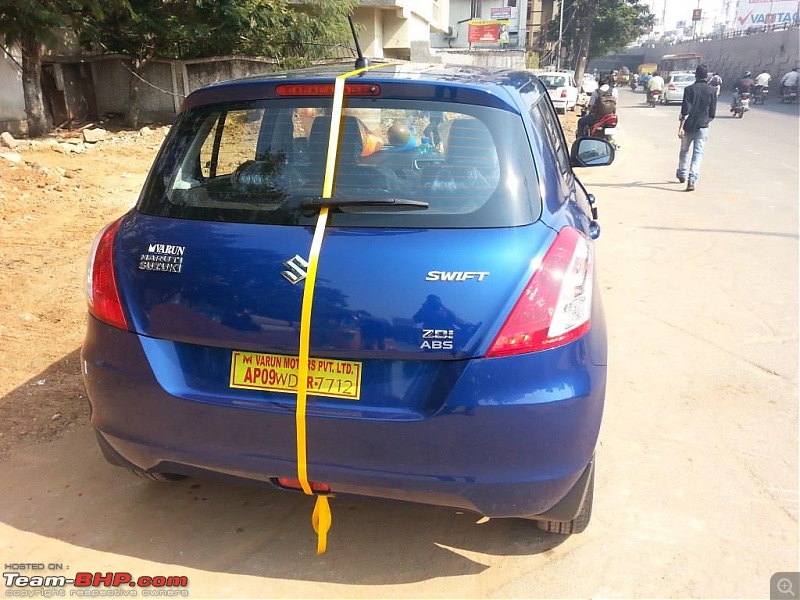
742 105
655 96
606 129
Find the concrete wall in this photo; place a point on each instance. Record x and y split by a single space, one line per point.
111 78
168 82
12 102
775 52
503 59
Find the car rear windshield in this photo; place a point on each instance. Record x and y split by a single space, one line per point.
444 164
684 79
552 82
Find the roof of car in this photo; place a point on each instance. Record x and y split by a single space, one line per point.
490 82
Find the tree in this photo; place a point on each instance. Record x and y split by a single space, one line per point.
596 27
294 33
617 24
30 23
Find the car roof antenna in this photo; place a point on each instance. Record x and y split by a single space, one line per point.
362 61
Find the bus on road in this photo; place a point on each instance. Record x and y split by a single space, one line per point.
672 63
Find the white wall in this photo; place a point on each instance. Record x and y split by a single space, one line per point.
12 102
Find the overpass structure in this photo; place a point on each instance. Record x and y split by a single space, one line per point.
775 51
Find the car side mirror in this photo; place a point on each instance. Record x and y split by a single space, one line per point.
591 152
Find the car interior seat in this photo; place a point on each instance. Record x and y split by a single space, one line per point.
350 173
470 158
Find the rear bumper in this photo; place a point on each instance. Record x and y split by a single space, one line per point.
511 437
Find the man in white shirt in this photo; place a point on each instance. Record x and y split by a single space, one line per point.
762 83
656 83
790 79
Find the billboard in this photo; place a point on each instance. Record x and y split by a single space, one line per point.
758 13
488 31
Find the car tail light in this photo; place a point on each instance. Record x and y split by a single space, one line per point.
556 306
564 93
294 484
101 285
670 87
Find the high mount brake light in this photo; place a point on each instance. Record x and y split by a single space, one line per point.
326 89
101 285
555 307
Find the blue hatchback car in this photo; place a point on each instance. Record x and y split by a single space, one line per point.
455 344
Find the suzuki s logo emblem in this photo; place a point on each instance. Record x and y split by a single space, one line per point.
297 269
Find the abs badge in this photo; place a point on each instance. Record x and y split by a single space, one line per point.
162 257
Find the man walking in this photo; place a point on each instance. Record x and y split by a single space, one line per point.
698 109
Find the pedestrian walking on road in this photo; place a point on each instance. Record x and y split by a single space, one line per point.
698 109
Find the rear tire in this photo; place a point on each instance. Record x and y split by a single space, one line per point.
580 522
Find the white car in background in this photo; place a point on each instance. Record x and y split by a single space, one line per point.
674 86
561 88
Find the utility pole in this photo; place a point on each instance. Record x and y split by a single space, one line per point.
560 33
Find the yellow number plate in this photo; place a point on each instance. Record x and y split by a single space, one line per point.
278 373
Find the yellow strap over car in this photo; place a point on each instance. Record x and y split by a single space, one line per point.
321 517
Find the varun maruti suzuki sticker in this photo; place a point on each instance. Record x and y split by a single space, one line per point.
166 258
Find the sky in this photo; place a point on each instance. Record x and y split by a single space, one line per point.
681 10
714 11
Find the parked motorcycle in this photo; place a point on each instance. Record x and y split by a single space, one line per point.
742 105
760 94
789 94
655 96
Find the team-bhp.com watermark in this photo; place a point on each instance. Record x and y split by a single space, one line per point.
23 581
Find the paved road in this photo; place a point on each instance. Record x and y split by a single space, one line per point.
698 460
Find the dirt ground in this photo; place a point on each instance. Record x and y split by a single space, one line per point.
56 193
52 203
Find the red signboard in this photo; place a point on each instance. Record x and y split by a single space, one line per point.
483 32
488 31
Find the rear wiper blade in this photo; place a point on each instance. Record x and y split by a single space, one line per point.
398 204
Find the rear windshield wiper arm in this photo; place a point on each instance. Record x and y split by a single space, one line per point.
389 204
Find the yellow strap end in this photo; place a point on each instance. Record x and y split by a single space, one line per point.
321 520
